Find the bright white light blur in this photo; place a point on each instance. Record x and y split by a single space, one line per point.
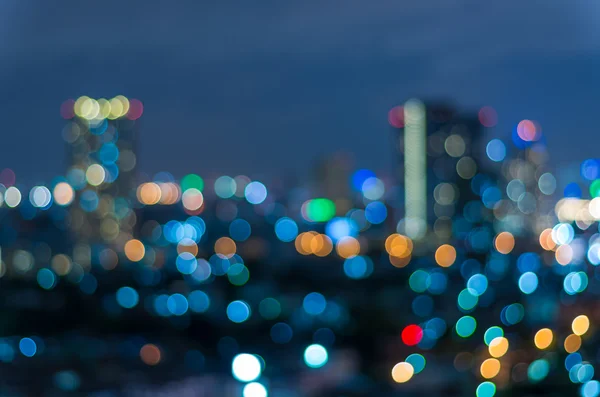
593 254
594 207
255 389
315 356
563 233
569 209
338 228
40 196
12 197
246 367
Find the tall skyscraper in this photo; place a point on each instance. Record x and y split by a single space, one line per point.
331 179
434 165
415 169
101 141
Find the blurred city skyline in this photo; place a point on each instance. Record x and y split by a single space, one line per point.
268 88
284 199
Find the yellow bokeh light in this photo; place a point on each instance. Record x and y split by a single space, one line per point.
402 372
504 243
490 368
498 347
116 109
225 247
63 193
79 104
95 174
543 338
104 107
572 343
90 109
135 250
124 104
580 325
347 247
445 255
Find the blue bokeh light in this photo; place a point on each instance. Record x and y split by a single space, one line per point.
127 297
28 347
238 311
314 303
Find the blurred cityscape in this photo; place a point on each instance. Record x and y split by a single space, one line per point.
468 269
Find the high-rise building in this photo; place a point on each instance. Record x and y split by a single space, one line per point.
101 141
434 165
331 179
415 169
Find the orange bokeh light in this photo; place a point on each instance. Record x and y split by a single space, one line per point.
150 354
321 245
134 250
148 193
504 243
398 245
546 241
347 247
225 247
445 255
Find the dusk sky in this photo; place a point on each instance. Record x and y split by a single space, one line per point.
265 88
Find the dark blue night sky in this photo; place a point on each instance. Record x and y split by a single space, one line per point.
264 89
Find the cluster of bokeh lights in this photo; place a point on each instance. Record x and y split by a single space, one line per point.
493 276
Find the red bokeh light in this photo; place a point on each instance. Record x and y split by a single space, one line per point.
8 177
529 131
67 109
396 117
488 116
136 108
412 334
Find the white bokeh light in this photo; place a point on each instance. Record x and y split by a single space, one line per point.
315 356
246 367
255 389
